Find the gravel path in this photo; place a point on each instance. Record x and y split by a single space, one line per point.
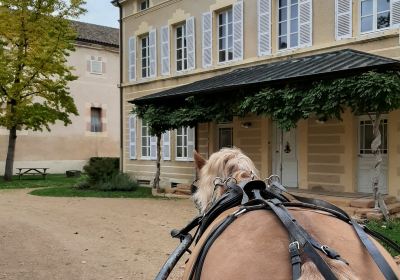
86 238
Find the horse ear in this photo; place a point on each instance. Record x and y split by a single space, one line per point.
198 160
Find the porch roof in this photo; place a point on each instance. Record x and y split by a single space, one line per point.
325 65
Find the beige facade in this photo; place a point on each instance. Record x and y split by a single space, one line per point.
66 148
327 155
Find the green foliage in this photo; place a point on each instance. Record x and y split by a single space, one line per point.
119 182
389 229
52 180
99 170
36 38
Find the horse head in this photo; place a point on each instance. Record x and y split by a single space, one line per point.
222 166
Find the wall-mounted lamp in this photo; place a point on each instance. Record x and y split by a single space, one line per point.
246 124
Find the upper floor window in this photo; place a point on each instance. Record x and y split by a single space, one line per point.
144 4
145 141
288 24
181 48
96 65
145 56
225 36
95 119
375 15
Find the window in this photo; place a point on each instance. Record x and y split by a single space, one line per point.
96 65
288 24
145 57
367 136
95 120
225 36
375 15
181 48
225 137
144 4
145 141
185 143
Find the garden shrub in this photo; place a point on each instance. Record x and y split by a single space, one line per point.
101 169
118 182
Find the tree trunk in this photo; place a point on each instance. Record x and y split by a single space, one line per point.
156 182
375 147
12 139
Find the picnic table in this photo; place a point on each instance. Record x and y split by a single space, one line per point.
32 171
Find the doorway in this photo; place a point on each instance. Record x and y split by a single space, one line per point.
366 159
284 156
225 135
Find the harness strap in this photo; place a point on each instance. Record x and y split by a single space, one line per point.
294 251
375 254
380 261
298 234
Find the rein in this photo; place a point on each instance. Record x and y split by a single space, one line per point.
256 195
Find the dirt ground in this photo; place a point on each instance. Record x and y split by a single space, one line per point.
86 238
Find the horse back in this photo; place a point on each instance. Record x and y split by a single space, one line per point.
255 246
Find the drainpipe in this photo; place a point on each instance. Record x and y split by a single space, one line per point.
121 48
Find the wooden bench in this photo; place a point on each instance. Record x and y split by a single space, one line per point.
32 171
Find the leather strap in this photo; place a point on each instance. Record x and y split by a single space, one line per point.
294 251
298 234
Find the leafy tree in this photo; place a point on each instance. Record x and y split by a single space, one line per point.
35 40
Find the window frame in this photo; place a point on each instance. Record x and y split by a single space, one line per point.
374 17
142 138
146 58
99 60
184 48
226 36
184 136
146 2
93 125
364 149
288 20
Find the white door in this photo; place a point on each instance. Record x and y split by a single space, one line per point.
284 156
366 160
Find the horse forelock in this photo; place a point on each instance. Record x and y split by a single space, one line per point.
228 162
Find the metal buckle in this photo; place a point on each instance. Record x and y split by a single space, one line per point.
324 248
239 212
294 243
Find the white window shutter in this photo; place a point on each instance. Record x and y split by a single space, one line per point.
395 13
132 137
238 30
264 27
191 43
190 143
343 19
132 59
165 51
166 137
153 52
305 32
153 147
207 40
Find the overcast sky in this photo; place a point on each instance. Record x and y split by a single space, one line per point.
101 12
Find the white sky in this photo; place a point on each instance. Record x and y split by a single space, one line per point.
101 12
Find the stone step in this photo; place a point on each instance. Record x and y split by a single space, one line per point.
368 202
393 208
337 200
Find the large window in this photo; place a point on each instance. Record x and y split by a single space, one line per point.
95 119
145 57
182 143
288 24
181 48
375 15
225 36
144 4
145 141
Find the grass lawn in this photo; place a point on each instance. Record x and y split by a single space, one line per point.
389 229
141 192
52 180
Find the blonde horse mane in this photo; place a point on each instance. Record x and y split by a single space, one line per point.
224 164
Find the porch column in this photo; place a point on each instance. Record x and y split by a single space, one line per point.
266 157
394 153
302 146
